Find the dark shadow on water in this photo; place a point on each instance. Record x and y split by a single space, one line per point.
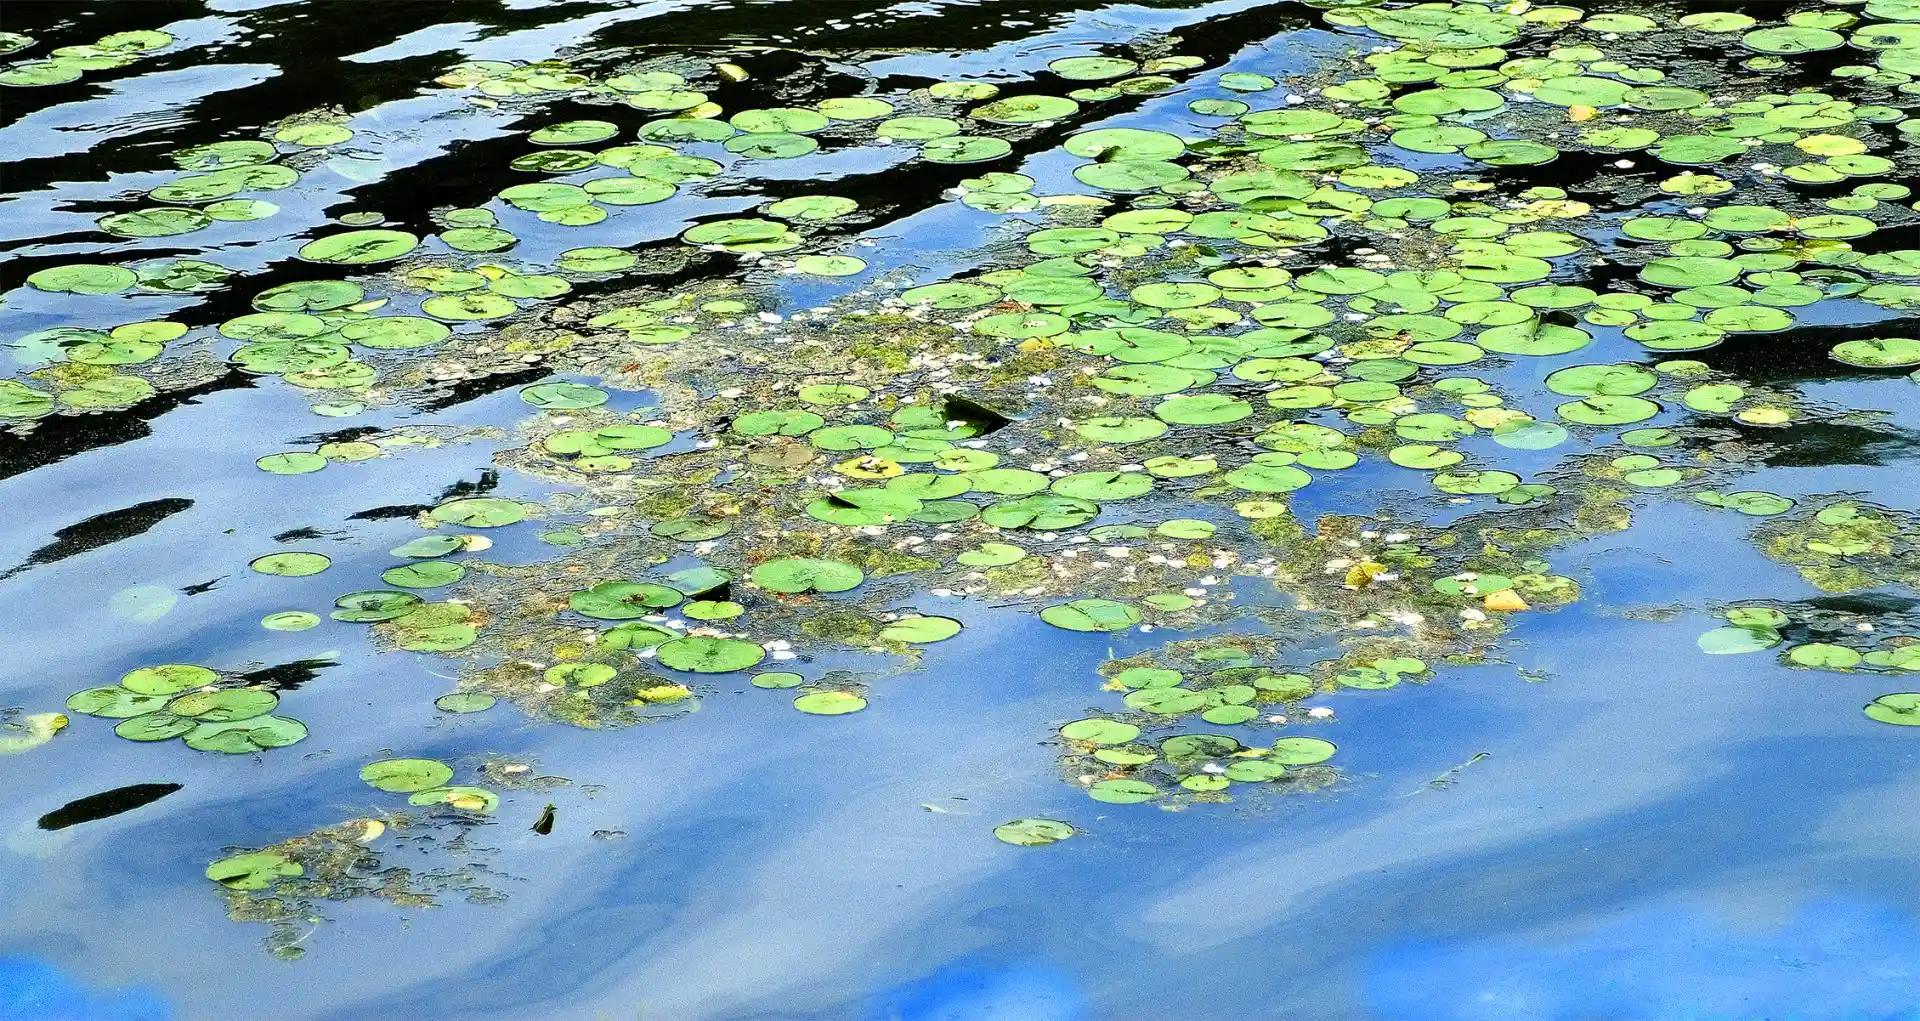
101 530
106 804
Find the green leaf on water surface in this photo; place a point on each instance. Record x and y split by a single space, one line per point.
154 726
466 799
622 600
1822 656
1093 68
1123 792
244 737
919 630
573 133
799 575
1726 641
1754 503
1900 708
480 512
1026 110
114 702
464 702
432 574
167 679
1605 409
1091 615
965 149
255 871
82 278
1893 353
1033 832
405 776
562 396
297 462
154 223
224 705
1300 751
360 247
709 655
829 703
1100 732
374 605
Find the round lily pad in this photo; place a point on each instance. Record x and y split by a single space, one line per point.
480 512
1033 832
796 575
1091 615
1892 353
622 600
254 871
405 776
709 655
1900 708
360 247
829 703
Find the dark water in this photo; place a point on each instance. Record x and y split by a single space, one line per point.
1648 833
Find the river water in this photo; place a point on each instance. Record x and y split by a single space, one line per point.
1589 817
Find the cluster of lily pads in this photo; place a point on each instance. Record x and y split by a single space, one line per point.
285 884
68 63
426 783
195 704
1352 282
1490 297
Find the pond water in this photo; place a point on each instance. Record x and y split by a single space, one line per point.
946 510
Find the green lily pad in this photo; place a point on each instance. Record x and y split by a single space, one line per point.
360 247
82 278
622 600
1091 615
1033 832
243 737
798 575
480 512
1892 353
1900 708
405 776
829 703
254 871
1123 792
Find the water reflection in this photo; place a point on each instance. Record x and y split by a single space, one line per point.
1831 960
32 990
766 872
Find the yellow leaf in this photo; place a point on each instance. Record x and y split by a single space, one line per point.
1361 575
1765 415
1488 418
869 467
1577 114
30 732
1506 600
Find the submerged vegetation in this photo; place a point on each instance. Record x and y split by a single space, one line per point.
1317 388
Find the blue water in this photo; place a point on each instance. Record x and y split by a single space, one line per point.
1651 833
